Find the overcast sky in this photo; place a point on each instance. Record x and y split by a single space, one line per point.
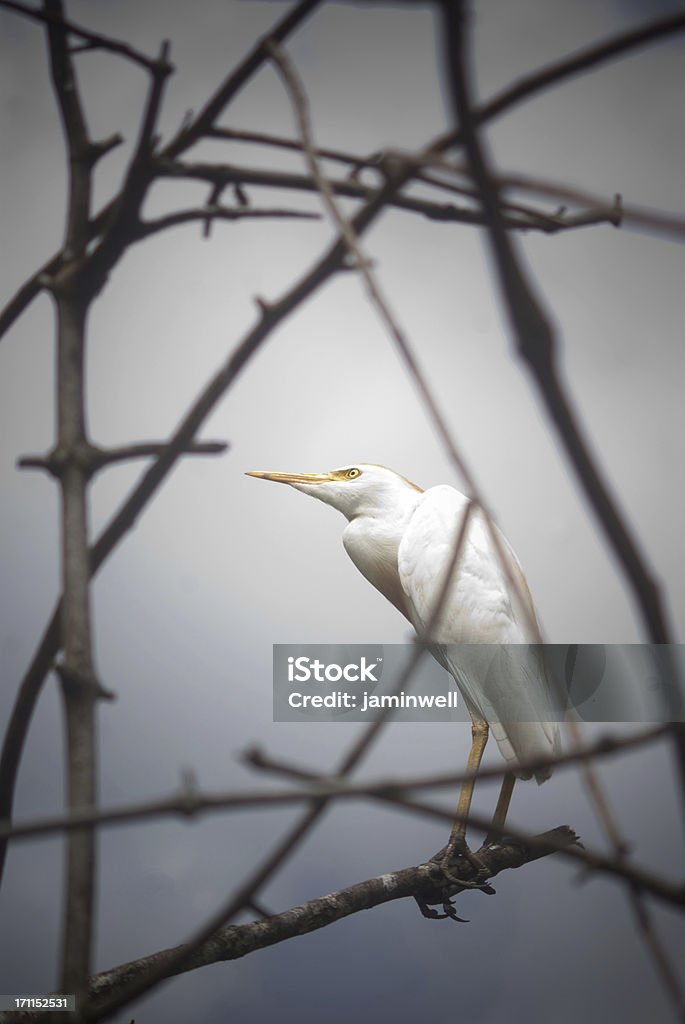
223 566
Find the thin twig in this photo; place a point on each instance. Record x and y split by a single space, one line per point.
660 222
643 917
195 803
120 228
560 71
212 213
194 131
97 458
604 747
390 793
322 789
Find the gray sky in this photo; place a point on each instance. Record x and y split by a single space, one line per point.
222 566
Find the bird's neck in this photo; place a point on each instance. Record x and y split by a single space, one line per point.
372 538
390 512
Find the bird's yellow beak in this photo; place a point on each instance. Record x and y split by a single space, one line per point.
292 478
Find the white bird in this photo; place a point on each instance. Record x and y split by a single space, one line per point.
403 539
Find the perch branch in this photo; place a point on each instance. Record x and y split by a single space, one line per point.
237 941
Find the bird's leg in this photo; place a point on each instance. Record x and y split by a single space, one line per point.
457 844
500 815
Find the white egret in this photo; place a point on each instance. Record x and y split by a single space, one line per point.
402 539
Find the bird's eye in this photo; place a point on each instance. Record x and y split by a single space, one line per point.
352 473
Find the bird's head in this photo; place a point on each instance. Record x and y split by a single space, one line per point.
354 490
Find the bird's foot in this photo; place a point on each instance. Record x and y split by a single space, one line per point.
444 882
458 849
447 905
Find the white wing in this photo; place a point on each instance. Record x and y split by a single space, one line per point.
507 686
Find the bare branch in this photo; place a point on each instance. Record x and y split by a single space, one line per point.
120 227
283 142
147 449
27 292
238 940
656 221
100 149
301 107
75 133
218 174
659 953
94 39
212 213
393 792
96 458
609 821
190 133
560 71
617 213
190 803
537 345
533 218
552 75
194 131
80 689
325 788
603 747
235 942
